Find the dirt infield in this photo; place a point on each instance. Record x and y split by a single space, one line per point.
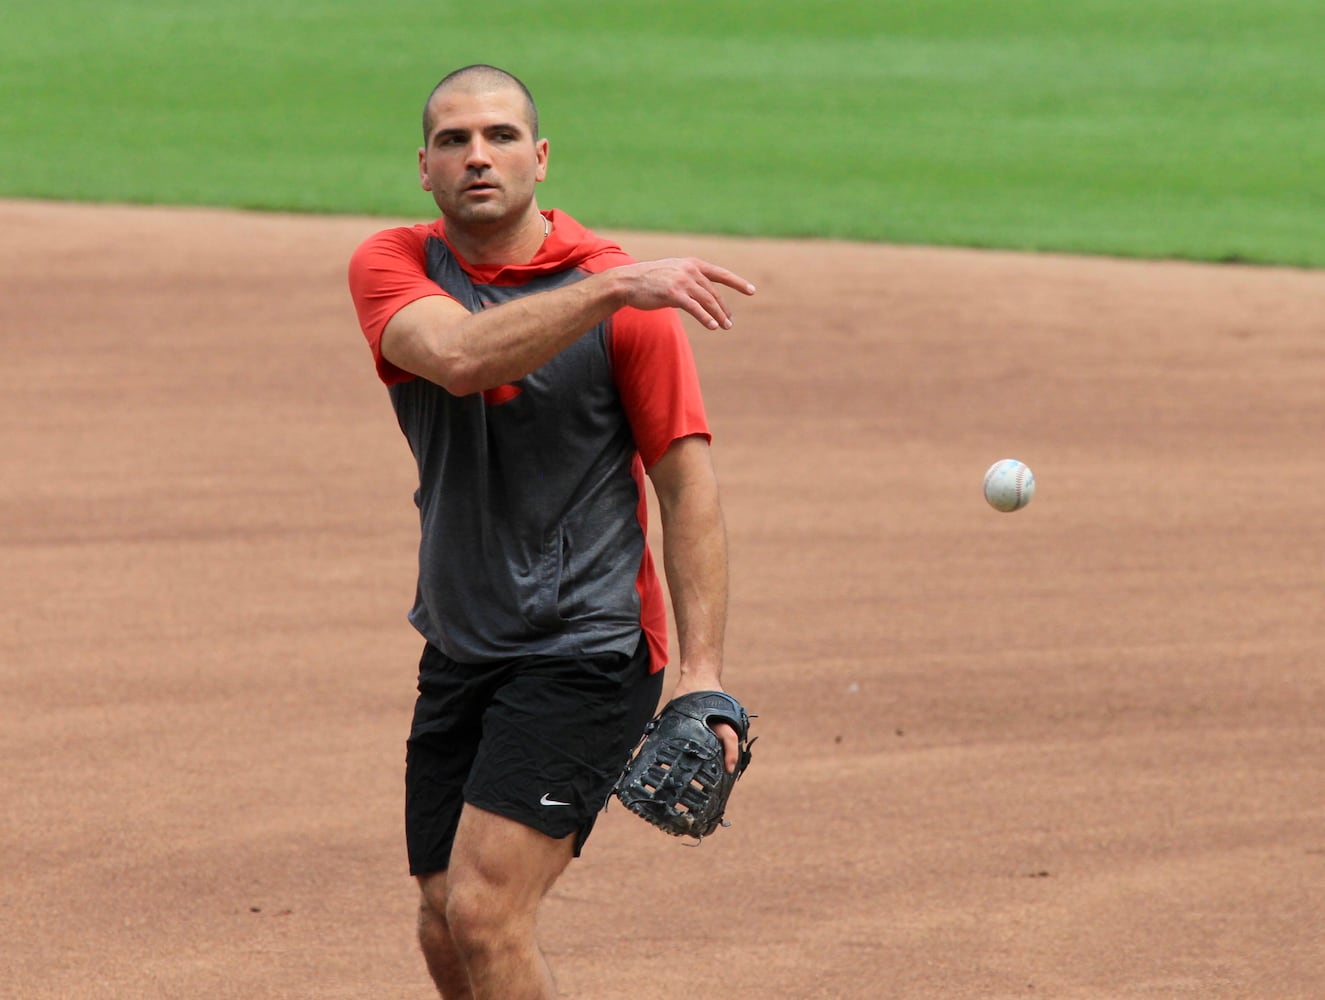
1074 752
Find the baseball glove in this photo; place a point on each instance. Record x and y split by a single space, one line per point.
677 778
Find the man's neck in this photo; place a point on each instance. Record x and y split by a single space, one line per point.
487 248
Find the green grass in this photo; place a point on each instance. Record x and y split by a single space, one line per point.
1184 128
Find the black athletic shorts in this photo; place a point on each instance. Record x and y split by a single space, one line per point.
539 740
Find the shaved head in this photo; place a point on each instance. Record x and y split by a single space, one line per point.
478 78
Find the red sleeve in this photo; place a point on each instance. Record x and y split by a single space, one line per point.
655 373
386 274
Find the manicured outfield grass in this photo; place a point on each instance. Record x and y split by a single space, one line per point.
1191 128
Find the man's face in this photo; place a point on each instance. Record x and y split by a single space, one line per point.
482 161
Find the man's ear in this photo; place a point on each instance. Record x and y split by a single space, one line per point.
424 182
540 152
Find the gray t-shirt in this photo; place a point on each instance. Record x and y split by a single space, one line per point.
530 539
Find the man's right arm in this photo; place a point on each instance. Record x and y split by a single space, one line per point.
438 339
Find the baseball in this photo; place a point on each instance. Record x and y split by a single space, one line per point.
1009 485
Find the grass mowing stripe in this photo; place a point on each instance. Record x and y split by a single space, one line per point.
1177 127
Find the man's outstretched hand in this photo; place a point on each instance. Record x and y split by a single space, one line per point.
686 283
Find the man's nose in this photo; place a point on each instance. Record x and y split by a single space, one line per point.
477 156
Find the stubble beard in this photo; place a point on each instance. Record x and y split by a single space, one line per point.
485 215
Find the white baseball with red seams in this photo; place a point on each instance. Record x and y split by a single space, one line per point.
1009 485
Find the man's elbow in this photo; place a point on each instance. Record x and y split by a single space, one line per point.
459 378
452 371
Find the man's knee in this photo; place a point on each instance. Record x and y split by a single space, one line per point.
432 913
470 916
445 962
482 920
470 912
432 898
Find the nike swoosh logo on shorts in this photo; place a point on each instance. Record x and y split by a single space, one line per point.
546 800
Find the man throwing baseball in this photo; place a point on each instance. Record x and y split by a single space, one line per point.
538 373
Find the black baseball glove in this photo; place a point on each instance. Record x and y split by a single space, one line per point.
677 778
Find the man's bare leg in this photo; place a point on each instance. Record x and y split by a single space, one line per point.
500 871
445 964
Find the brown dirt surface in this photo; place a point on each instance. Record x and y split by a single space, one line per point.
1073 752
